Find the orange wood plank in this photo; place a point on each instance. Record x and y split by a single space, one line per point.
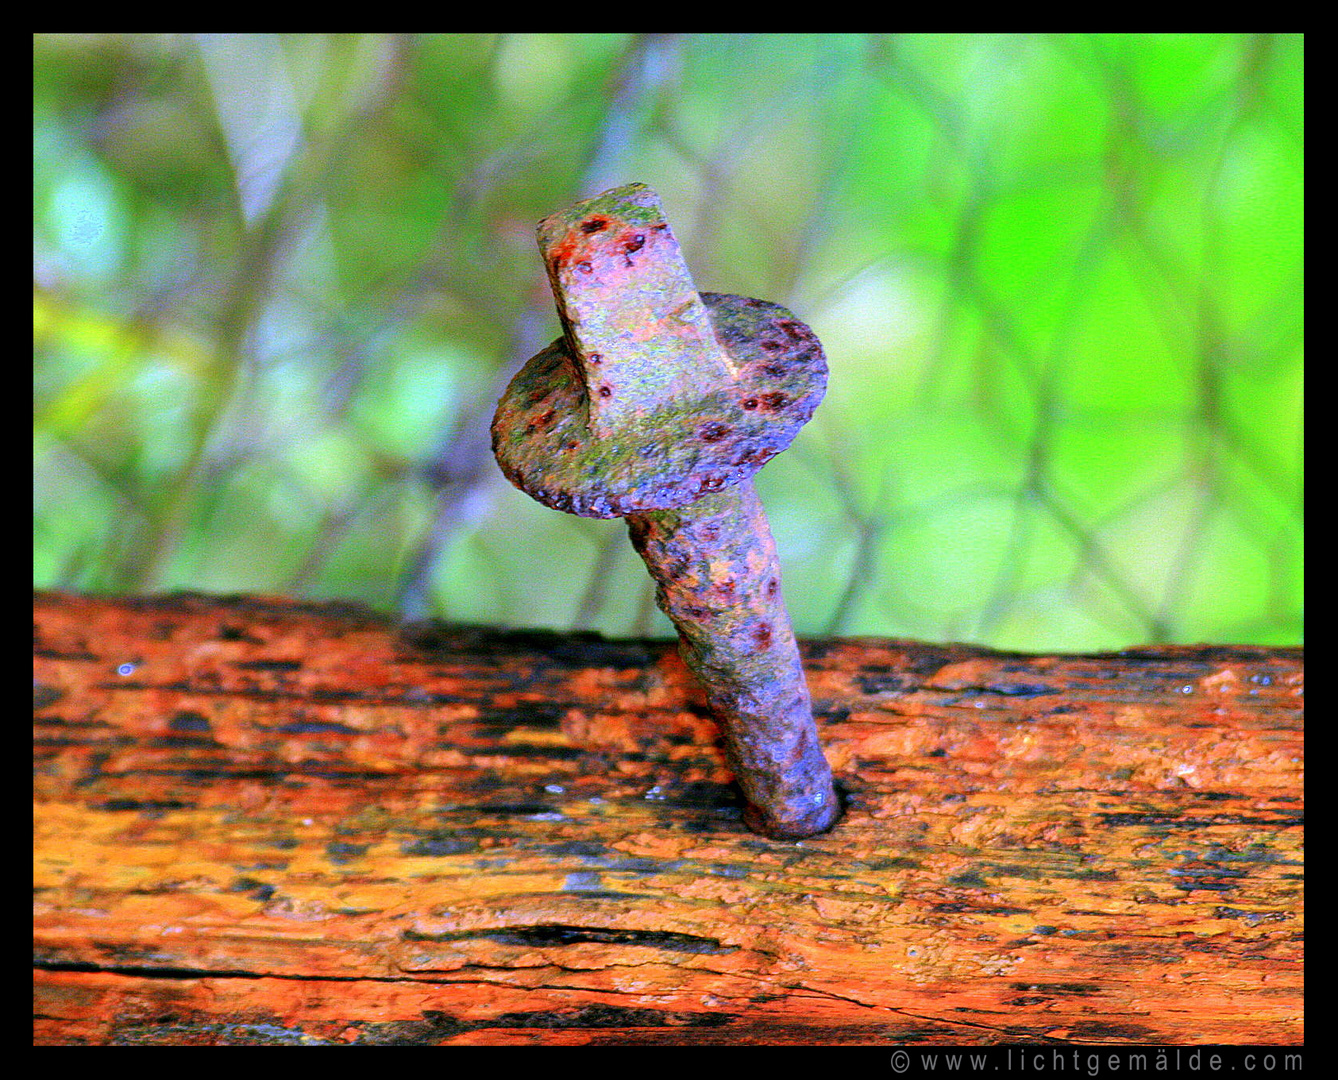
263 821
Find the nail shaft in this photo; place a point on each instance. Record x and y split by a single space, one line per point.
718 579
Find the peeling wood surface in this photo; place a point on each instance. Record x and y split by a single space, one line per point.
258 821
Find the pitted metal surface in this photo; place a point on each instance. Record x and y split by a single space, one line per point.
659 405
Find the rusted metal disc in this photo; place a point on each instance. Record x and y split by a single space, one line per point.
667 459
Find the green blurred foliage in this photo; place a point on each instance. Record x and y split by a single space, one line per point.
280 281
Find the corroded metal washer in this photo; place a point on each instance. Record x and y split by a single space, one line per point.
545 444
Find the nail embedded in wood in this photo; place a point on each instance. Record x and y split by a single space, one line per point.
658 404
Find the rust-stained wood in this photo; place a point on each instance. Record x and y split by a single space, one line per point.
263 821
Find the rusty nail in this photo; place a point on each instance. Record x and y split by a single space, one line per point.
658 404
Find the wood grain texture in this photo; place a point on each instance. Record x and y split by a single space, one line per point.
258 821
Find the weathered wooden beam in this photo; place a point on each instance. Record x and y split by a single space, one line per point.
264 821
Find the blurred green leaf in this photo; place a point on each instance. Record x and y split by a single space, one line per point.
280 281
